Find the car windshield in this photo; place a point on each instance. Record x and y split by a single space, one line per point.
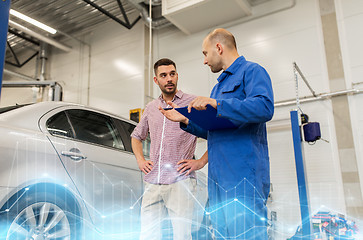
9 108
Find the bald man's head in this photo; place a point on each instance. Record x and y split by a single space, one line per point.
219 50
223 36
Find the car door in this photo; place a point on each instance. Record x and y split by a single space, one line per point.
104 171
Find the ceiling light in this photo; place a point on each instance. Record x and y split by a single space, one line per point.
33 21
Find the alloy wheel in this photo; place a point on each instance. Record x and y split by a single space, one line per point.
40 221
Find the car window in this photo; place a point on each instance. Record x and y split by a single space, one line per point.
95 128
58 125
129 128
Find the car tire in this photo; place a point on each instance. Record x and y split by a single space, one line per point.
40 213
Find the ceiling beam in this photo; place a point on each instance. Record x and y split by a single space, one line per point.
41 37
123 12
113 17
23 36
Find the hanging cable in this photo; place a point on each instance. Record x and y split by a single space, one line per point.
296 88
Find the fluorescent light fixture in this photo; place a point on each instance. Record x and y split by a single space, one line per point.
33 21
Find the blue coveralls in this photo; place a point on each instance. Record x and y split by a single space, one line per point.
238 169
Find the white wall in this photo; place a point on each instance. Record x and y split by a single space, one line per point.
116 74
12 96
350 19
114 71
276 41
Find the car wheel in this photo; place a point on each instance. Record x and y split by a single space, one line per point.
40 220
40 216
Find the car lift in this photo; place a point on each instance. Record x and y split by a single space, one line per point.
4 20
295 117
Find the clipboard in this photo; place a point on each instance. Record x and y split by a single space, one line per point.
206 119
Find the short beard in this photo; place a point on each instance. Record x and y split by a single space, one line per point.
165 92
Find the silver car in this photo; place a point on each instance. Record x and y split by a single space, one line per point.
67 172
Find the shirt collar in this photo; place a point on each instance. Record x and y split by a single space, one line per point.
178 94
232 69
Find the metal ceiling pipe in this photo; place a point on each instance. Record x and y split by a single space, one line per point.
43 56
43 38
56 90
319 97
157 23
19 75
29 83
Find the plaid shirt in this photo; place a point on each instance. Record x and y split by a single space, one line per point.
169 143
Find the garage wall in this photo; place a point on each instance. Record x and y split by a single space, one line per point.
107 73
276 41
349 18
12 96
114 82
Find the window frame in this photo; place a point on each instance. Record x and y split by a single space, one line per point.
103 115
111 118
120 121
124 134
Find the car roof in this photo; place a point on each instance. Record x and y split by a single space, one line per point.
29 115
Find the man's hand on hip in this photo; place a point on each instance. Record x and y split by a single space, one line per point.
145 166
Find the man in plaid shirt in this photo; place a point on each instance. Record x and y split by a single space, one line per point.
169 184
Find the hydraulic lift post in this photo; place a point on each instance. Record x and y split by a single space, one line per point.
4 21
301 177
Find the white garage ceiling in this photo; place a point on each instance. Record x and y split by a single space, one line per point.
192 16
75 17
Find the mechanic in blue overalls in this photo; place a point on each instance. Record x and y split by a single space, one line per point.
238 170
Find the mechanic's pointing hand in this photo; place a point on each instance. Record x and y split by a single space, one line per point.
200 103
